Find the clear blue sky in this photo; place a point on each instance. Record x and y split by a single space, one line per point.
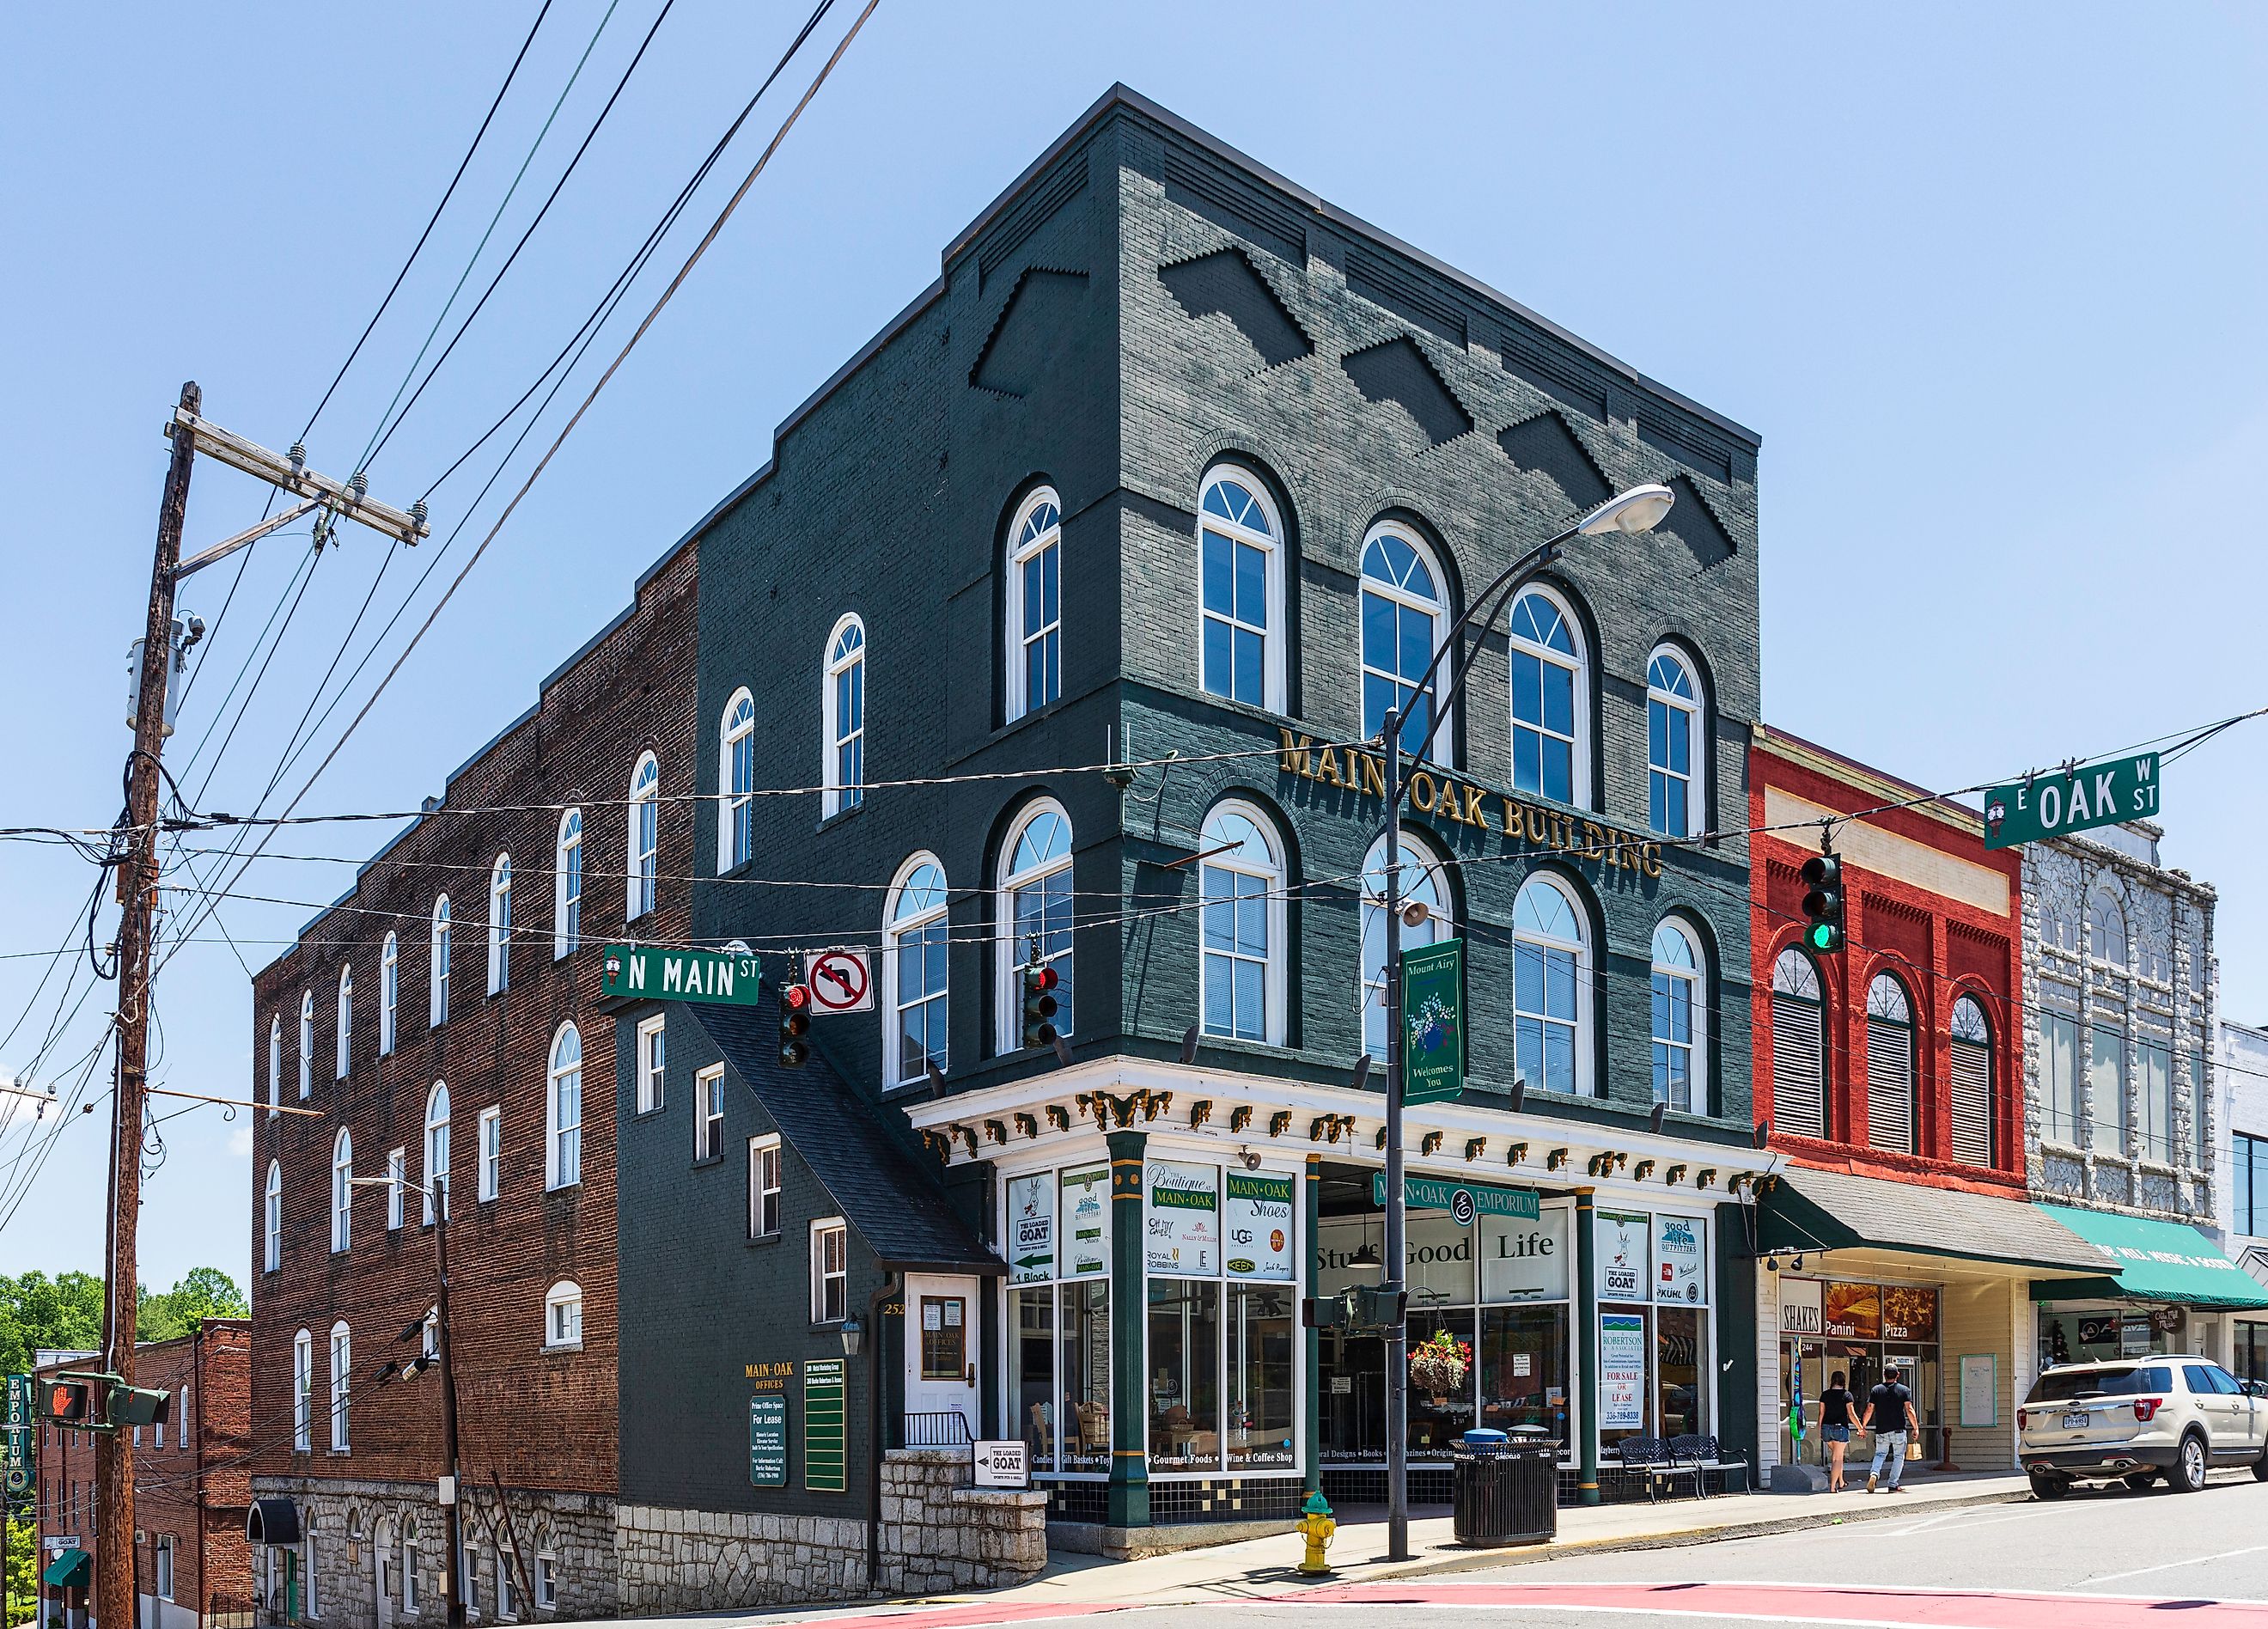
1987 279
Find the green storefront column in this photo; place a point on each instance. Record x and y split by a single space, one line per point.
1129 1462
1586 1333
1312 1339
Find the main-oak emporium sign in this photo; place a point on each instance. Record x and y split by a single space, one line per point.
650 972
1452 802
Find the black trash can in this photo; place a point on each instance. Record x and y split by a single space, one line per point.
1505 1492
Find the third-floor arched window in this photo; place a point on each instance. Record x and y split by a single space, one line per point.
1673 737
1890 1066
1799 1046
1034 618
642 840
1550 700
844 703
1973 1115
1241 591
1405 610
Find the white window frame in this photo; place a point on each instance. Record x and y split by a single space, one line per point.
736 781
163 1564
900 919
389 993
1697 1043
652 1063
500 925
488 1140
303 1380
341 1383
272 1222
1431 884
642 838
765 1151
1270 870
437 1145
562 1122
1578 757
1274 637
437 1002
1585 1083
547 1581
507 1608
307 1043
1402 597
345 1019
341 1192
2103 909
1696 709
824 1274
707 1123
1012 951
560 1302
1038 528
274 1064
397 1184
567 886
410 1599
841 792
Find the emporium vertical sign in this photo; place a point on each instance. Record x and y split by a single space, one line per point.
825 1462
19 1436
1434 1022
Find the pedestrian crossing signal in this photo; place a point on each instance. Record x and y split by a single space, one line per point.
67 1402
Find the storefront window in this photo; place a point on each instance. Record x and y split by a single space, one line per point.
1031 1314
1867 1327
1680 1400
1261 1401
1086 1413
1522 1361
2093 1334
1184 1374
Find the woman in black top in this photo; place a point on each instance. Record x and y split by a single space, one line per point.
1835 1428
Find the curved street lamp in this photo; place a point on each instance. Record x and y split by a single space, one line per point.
1639 508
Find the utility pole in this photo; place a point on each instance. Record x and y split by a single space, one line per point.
453 1506
116 1594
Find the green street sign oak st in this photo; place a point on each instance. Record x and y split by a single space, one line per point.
1434 1022
646 971
2076 799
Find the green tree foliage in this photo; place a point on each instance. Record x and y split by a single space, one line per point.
36 1311
23 1572
206 1292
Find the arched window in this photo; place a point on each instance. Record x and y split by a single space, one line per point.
1405 608
1035 913
562 1146
567 886
1890 1066
1550 701
437 1148
1799 1046
1551 1046
843 702
341 1191
1674 743
307 1042
1972 1083
389 993
562 1313
1241 582
303 1381
1421 883
500 925
1033 610
341 1378
2059 922
2106 928
1241 925
1681 1016
345 1023
736 776
272 1218
274 1064
917 935
438 999
644 839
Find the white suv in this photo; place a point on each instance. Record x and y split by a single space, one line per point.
2139 1419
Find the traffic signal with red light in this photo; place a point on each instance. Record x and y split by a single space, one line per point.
1822 903
1040 1005
794 1023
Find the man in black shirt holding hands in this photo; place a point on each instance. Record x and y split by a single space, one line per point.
1891 1416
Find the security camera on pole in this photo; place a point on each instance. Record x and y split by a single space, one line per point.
1639 508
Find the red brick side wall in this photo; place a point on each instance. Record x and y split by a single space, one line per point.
1941 949
536 1419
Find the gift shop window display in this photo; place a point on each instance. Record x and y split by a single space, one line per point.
1653 1338
1058 1248
2095 1331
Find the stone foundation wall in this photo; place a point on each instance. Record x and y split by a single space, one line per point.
936 1535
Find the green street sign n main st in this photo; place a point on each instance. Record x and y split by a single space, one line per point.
655 973
2061 801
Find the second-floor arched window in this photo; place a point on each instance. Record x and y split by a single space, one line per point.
272 1218
1799 1046
1681 1055
1890 1066
1241 925
1972 1083
562 1149
917 944
2106 928
1420 883
1551 1041
567 886
736 782
1036 914
342 1190
437 1146
1033 607
274 1064
345 1020
843 702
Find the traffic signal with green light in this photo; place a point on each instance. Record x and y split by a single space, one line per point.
1040 1005
794 1024
1822 903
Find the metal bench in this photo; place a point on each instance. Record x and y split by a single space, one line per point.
1704 1454
1650 1458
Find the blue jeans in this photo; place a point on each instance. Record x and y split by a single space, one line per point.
1894 1444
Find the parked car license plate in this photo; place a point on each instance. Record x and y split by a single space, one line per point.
2075 1422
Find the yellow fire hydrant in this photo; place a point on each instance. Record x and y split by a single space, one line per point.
1317 1528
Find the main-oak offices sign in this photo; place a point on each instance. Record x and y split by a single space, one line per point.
1452 802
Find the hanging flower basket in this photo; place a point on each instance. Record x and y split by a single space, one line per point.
1439 1364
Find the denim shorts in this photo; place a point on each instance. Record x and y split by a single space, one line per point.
1836 1433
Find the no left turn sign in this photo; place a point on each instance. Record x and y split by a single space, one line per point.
841 981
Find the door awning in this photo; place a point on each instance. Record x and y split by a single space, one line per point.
73 1569
2155 1261
1818 1210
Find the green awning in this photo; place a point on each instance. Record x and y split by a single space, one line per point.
2157 1261
73 1569
1810 1209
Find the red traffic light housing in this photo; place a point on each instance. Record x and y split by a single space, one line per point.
1040 1005
794 1024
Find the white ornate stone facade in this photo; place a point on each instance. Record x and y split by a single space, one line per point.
2119 1027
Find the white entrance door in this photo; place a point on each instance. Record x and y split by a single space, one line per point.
382 1544
941 1345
